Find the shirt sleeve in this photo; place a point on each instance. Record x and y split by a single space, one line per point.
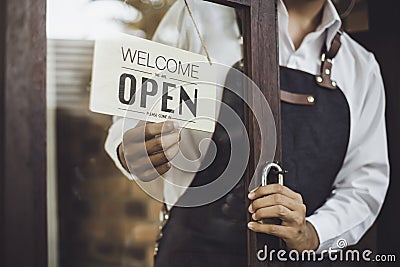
114 139
360 187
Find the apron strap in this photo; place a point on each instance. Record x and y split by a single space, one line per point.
335 45
324 79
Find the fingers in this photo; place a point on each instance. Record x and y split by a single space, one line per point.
165 156
274 189
162 142
148 148
281 231
151 146
277 201
154 129
278 211
147 130
147 168
154 173
294 216
147 162
273 200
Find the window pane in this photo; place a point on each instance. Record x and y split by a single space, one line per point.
97 217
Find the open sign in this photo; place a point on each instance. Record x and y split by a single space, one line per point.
150 88
144 80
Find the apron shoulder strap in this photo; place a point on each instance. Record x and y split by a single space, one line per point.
335 45
324 78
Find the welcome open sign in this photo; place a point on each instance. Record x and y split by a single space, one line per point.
140 79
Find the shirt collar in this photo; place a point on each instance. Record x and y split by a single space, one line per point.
331 22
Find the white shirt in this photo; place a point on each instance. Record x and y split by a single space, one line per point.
360 187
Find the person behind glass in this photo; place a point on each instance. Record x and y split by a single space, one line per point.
332 123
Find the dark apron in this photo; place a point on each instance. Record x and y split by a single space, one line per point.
315 139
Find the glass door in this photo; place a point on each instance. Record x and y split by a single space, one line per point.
96 216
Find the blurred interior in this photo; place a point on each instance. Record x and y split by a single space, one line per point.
97 217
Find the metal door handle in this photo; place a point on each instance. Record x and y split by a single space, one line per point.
264 182
267 169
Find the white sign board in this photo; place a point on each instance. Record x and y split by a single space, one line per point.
140 79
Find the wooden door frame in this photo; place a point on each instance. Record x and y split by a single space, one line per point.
23 223
260 38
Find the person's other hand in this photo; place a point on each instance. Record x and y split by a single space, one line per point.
148 148
277 201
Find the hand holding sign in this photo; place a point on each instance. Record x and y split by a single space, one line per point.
148 148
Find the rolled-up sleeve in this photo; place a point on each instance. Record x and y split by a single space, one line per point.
114 139
360 187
